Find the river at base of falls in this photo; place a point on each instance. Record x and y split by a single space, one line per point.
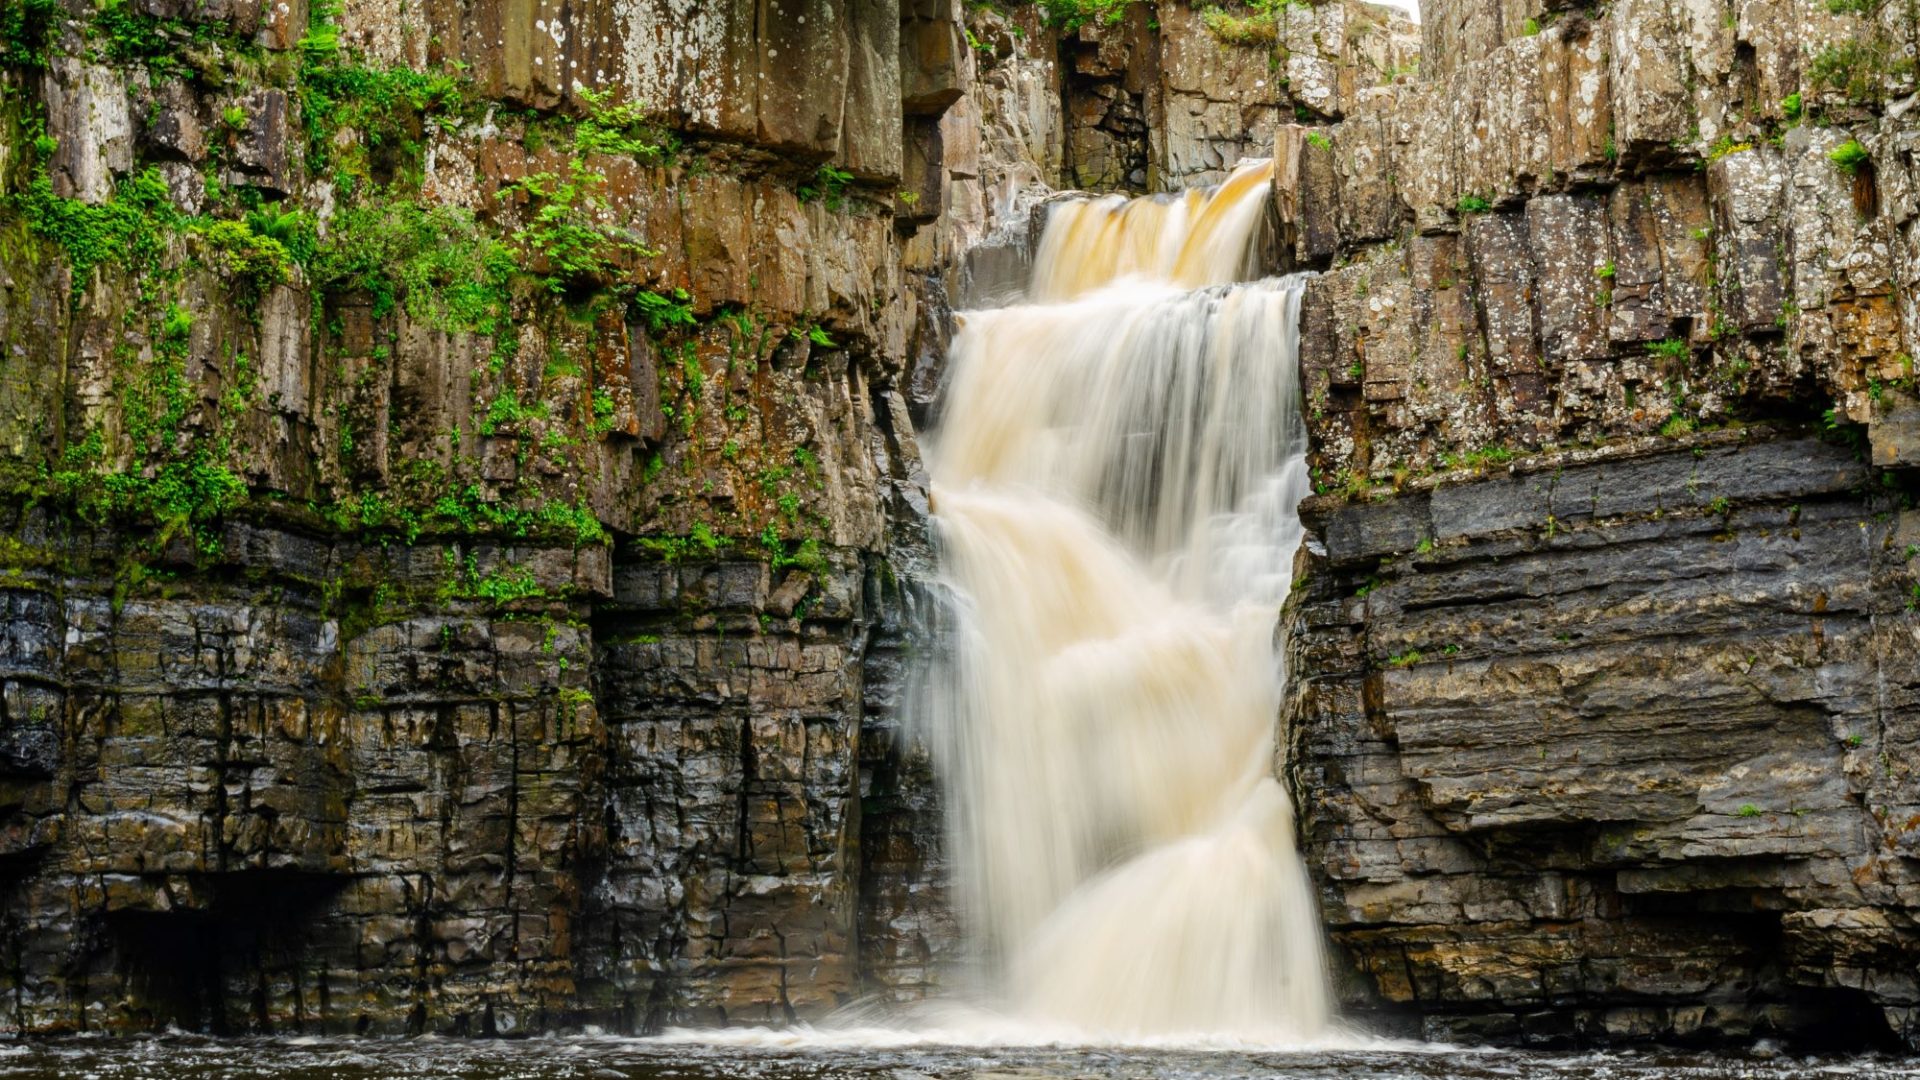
590 1058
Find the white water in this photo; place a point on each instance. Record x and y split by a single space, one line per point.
1115 482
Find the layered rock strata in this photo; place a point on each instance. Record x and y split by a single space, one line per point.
1603 665
451 457
1615 746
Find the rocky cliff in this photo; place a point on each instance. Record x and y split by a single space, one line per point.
465 539
450 453
1604 686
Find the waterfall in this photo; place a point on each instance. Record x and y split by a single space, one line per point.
1115 482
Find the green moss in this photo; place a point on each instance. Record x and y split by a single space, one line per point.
1480 458
130 229
251 261
1073 14
782 554
1473 204
699 542
175 473
1849 156
448 270
24 29
386 107
168 46
170 460
464 511
1261 26
502 585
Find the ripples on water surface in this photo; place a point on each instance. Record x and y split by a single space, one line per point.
188 1058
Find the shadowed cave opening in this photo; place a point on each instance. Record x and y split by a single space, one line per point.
209 969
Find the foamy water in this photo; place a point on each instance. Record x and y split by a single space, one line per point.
1115 482
726 1056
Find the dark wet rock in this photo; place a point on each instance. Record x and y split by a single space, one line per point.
1586 743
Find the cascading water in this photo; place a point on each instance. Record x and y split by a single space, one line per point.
1115 480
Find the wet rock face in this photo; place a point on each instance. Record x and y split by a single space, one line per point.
1174 99
730 886
1599 713
233 808
627 798
1616 748
1563 232
449 524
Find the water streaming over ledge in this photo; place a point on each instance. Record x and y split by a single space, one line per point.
1115 480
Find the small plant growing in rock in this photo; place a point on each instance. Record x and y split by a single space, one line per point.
1849 156
1726 146
816 334
1473 204
252 261
661 312
827 185
23 31
1749 810
1670 349
620 129
603 410
1073 14
1261 27
1319 140
566 228
1790 107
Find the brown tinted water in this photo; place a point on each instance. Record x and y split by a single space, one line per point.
193 1058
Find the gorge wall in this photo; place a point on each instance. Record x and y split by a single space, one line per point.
465 536
1604 689
451 453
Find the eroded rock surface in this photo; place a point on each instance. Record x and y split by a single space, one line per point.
1603 672
1616 747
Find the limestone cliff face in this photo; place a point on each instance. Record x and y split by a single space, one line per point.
450 455
1604 686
